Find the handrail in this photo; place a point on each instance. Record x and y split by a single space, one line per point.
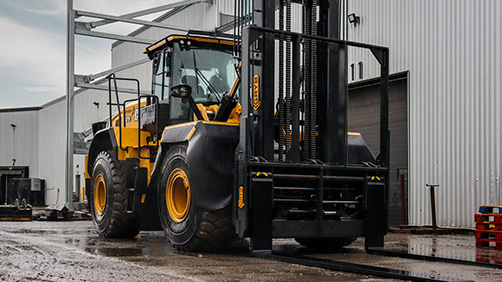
154 100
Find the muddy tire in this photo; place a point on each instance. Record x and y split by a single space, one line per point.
325 243
189 229
108 199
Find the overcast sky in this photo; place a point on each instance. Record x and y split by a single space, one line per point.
33 46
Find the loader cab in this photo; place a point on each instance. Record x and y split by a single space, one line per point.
205 64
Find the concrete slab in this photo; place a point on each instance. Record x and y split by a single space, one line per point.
72 251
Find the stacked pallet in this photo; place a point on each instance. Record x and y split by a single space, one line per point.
489 227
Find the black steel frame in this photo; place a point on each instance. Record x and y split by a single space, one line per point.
254 153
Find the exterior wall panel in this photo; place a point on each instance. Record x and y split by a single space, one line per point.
21 142
452 50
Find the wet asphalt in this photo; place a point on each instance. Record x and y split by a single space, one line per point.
72 251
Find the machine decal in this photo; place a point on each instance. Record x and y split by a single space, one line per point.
241 197
256 92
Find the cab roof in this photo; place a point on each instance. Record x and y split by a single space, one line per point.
163 43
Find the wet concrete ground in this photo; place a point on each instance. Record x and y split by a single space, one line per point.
72 251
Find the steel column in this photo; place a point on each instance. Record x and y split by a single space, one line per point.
294 154
264 141
70 70
332 97
261 219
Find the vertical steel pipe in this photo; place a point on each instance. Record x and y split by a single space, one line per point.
70 75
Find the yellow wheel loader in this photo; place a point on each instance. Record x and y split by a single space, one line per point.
233 143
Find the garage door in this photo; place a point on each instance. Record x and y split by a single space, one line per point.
364 117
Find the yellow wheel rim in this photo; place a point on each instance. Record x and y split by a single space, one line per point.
178 195
100 195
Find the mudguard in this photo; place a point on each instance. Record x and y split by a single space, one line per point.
210 153
103 140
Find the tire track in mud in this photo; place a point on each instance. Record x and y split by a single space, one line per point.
34 258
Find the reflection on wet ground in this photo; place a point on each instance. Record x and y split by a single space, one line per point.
448 246
151 253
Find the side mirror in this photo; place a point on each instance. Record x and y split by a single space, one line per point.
181 91
184 92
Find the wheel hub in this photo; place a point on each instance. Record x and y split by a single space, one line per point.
178 195
100 195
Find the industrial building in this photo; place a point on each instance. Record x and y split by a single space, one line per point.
445 66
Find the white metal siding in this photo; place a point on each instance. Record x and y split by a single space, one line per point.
20 143
452 50
196 17
52 138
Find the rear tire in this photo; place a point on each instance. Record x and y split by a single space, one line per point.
108 199
326 243
188 228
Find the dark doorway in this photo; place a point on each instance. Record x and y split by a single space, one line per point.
364 117
7 173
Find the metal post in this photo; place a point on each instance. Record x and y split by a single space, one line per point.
70 72
264 140
403 205
433 203
261 220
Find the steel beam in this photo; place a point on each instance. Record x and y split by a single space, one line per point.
80 29
92 77
126 20
81 82
148 11
70 70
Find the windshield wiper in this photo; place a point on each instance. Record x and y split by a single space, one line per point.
204 79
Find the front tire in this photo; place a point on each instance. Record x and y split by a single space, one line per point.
188 228
108 199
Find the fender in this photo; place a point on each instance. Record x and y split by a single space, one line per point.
210 153
103 140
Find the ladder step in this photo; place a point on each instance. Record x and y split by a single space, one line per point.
293 200
341 202
294 188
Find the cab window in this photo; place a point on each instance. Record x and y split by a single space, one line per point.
208 69
161 74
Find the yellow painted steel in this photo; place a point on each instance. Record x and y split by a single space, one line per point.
235 115
178 195
256 92
16 219
86 173
203 112
193 38
191 133
99 195
131 115
241 197
130 145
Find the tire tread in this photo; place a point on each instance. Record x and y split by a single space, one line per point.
122 224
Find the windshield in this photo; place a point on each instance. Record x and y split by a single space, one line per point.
209 71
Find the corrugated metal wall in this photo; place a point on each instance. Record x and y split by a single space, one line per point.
197 17
453 52
52 139
19 143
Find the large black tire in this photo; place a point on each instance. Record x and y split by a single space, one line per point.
188 228
108 199
326 243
